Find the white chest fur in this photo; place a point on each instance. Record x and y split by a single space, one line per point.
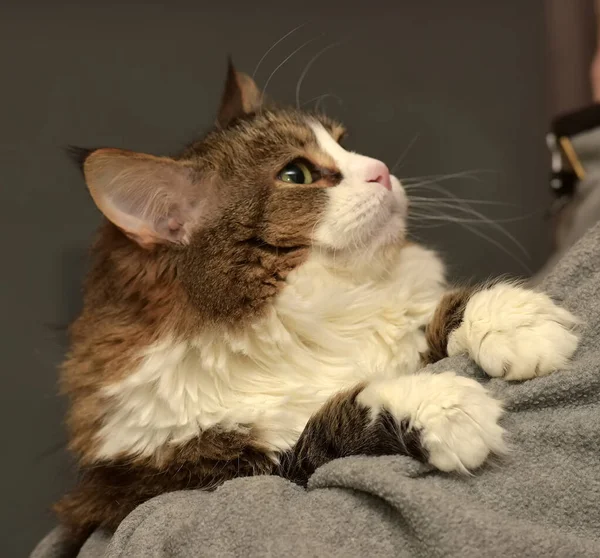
326 332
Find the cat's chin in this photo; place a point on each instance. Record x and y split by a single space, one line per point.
389 233
392 232
392 229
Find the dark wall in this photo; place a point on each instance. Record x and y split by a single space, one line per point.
465 76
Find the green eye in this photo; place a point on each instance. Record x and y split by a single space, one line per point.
296 173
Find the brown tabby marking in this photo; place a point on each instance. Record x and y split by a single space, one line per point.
144 288
448 316
108 491
226 275
343 428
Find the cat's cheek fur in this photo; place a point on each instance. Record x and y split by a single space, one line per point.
456 418
515 333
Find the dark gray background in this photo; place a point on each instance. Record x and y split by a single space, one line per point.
466 76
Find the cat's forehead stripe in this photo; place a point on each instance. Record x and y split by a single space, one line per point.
330 146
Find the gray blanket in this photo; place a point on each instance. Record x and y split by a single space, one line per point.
542 500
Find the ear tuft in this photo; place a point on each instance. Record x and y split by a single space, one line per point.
78 154
241 96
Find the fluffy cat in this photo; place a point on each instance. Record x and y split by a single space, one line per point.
254 307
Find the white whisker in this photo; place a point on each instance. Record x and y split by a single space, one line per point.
466 200
405 153
282 63
308 66
498 245
320 98
469 210
456 219
281 39
416 181
484 236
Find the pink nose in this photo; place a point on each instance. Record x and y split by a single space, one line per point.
376 171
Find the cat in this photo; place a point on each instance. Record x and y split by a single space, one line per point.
254 307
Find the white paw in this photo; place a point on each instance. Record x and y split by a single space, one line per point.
457 419
515 333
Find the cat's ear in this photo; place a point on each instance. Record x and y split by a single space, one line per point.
240 96
154 200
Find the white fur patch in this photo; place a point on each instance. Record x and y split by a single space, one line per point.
458 420
515 333
331 327
360 214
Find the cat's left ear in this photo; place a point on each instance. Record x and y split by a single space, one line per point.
153 200
240 96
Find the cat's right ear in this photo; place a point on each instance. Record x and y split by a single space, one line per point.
240 96
153 200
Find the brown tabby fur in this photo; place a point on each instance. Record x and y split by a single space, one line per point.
108 491
226 275
448 316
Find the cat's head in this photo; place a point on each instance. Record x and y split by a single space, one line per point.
263 190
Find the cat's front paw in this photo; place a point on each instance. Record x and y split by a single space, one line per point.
456 419
515 333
